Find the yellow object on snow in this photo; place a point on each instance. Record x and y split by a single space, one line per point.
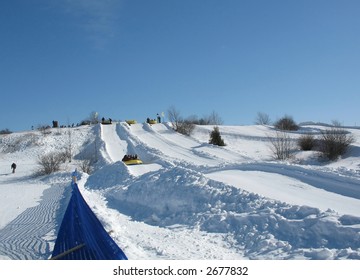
131 122
133 162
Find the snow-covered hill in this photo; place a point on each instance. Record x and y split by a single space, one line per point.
189 200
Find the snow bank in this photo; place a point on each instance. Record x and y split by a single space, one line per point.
262 228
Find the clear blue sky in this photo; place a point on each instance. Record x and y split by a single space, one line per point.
130 59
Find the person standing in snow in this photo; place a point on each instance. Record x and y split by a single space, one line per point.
13 167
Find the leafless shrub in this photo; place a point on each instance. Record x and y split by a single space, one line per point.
86 166
212 119
50 163
14 145
17 143
185 127
335 142
336 123
307 142
88 158
44 129
5 131
281 145
64 155
178 123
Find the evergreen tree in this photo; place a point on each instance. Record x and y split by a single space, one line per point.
215 137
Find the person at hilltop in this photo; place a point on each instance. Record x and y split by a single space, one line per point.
13 167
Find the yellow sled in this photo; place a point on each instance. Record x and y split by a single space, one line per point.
130 122
133 162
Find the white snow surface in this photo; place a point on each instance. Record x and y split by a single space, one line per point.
189 200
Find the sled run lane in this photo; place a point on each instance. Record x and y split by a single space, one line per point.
115 147
175 147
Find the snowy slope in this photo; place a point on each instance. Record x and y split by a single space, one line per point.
115 147
190 199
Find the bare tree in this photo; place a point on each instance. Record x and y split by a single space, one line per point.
194 119
185 127
174 117
212 119
215 119
281 145
262 119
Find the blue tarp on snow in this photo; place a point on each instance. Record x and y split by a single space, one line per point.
82 236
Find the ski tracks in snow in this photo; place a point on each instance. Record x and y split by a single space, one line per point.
31 235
